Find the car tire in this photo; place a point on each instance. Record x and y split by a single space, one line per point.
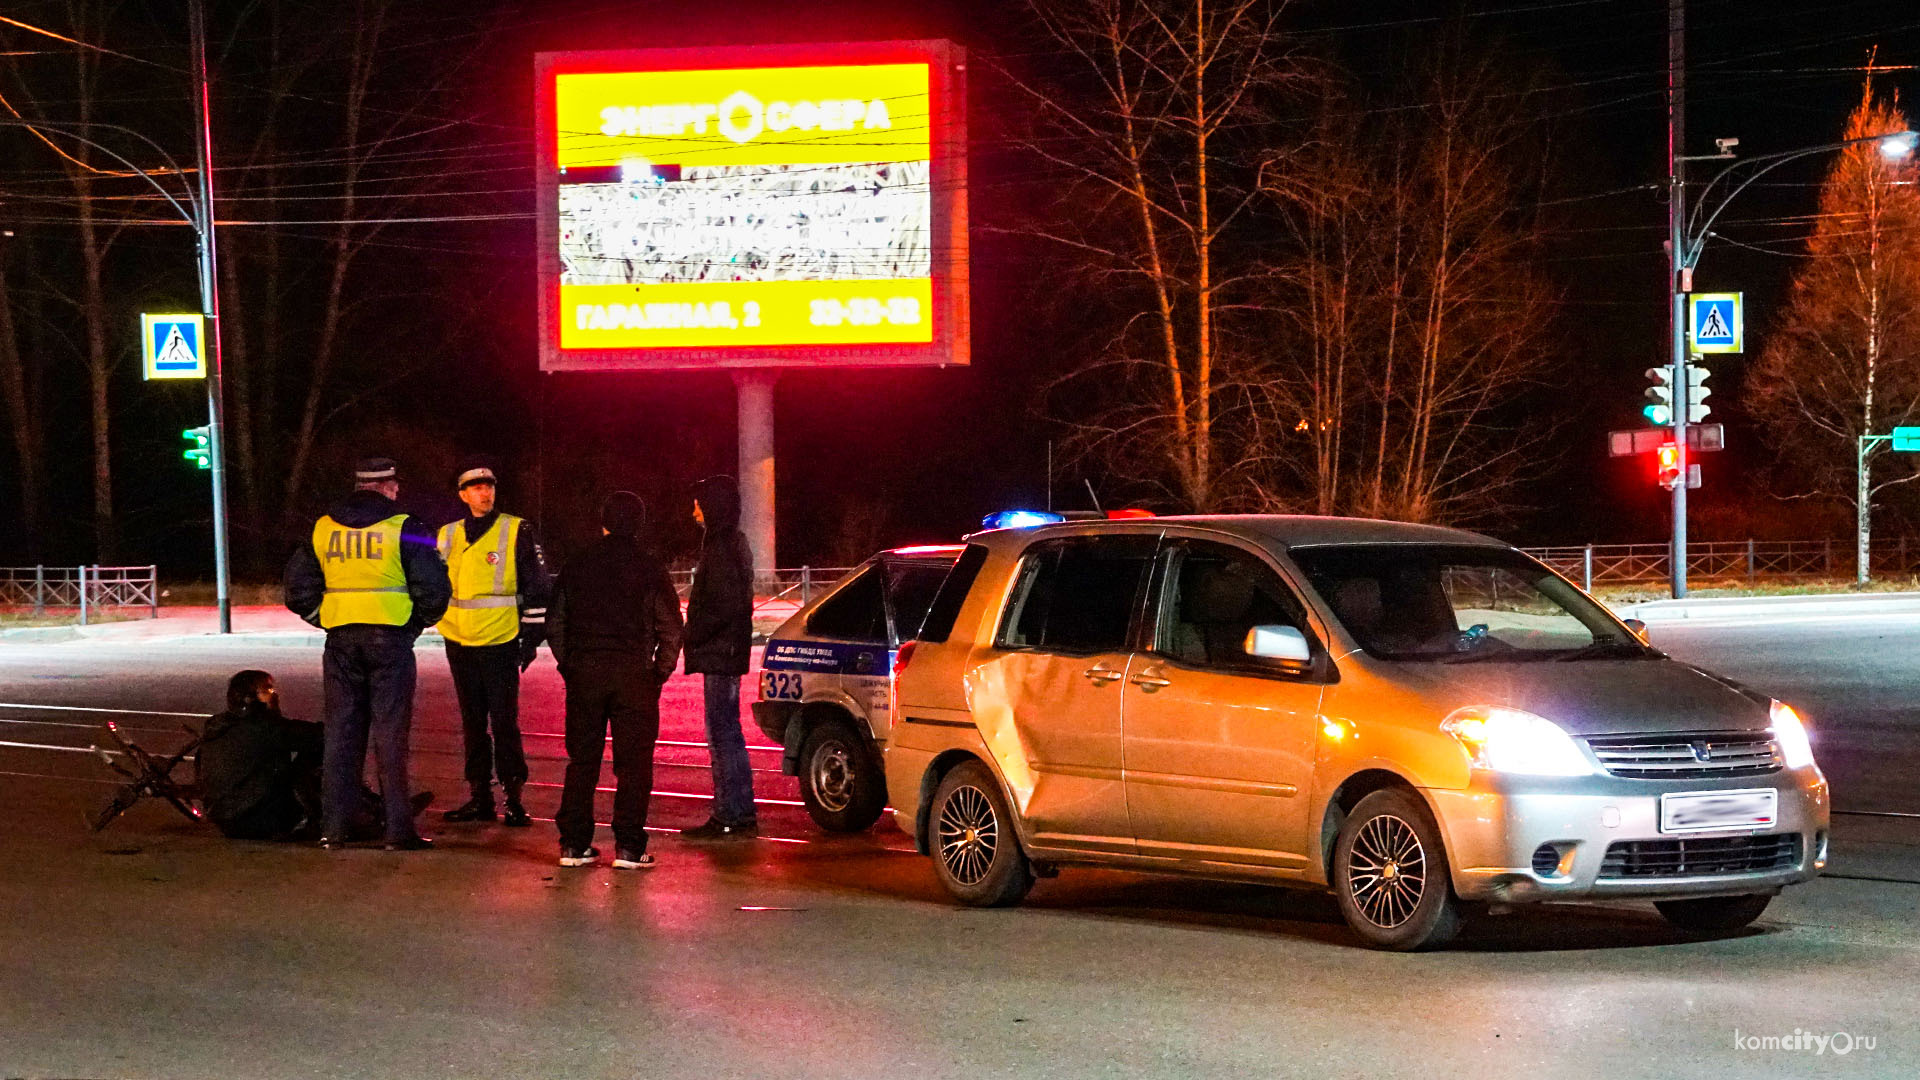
1390 874
1714 914
976 854
841 782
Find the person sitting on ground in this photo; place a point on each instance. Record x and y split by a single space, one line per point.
259 771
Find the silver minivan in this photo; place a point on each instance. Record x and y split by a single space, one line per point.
1420 720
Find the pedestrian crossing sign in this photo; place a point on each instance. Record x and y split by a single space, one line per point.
173 346
1714 322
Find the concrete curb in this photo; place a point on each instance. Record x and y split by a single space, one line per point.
1728 607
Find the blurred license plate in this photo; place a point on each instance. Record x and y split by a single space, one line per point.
1698 811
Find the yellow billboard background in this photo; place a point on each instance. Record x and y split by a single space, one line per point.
802 116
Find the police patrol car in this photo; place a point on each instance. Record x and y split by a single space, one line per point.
826 681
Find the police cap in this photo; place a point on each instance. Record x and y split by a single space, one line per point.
375 470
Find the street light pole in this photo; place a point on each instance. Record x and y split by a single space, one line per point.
1678 277
210 308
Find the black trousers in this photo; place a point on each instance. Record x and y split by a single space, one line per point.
609 690
486 679
368 692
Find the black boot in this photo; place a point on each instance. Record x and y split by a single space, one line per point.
478 808
516 816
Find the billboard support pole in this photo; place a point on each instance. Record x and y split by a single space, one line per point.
754 391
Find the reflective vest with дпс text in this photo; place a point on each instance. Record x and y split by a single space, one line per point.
485 609
366 581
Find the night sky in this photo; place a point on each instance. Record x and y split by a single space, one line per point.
872 458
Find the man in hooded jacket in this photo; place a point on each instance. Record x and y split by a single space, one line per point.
719 642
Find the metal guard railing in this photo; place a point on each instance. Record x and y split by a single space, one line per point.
86 590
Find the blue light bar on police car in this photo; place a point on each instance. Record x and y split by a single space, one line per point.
1020 519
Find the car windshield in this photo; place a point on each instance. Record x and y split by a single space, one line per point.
1459 604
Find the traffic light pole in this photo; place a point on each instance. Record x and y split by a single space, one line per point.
210 307
1678 272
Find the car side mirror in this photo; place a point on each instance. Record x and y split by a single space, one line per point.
1639 630
1277 643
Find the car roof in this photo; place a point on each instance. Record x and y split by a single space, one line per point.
1287 530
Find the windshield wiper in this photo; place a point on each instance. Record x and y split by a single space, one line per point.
1599 649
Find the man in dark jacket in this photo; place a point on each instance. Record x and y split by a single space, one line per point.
371 578
719 646
259 771
614 628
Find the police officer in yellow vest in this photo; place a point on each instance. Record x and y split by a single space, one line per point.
370 578
493 629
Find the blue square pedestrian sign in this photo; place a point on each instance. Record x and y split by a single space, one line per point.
173 346
1714 322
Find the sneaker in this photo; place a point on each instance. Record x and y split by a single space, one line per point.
333 843
416 842
577 856
471 810
624 859
516 816
720 830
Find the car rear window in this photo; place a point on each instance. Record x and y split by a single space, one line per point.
945 608
911 587
855 611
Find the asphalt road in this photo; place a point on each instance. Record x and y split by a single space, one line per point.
156 950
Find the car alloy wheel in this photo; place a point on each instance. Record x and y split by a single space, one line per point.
1388 871
969 834
831 774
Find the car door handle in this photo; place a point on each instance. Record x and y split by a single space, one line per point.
1101 675
1150 681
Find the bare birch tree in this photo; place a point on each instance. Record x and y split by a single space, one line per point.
1844 360
1149 131
1418 303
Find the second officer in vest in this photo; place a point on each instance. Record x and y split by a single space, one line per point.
493 628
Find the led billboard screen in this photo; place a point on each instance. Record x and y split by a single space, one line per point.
770 206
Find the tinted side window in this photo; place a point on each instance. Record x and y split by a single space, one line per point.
953 592
910 590
1078 596
855 612
1214 594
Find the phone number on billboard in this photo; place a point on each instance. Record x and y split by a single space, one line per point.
865 311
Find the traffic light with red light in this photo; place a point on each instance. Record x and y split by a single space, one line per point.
1671 465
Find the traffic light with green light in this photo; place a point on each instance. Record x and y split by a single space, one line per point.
1659 408
200 453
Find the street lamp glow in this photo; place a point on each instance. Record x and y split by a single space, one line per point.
1899 146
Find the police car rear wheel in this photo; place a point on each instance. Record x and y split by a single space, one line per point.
840 780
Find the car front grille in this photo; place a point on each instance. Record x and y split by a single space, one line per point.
1685 757
1701 856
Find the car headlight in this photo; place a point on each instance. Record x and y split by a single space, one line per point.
1511 741
1796 746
